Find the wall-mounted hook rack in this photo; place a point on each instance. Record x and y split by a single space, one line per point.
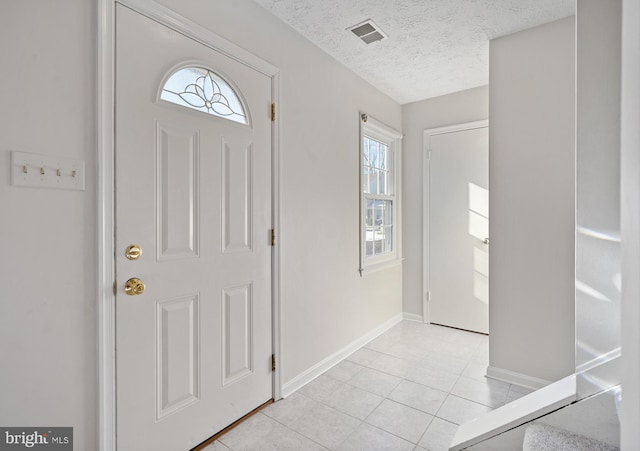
45 171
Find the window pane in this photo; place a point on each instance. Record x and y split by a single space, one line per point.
375 154
369 215
203 90
375 160
365 153
388 239
383 155
379 227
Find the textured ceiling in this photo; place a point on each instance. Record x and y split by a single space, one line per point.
434 47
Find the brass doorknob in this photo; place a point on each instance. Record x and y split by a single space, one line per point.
486 241
134 287
133 252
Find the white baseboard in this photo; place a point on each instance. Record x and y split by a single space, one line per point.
412 317
512 377
307 376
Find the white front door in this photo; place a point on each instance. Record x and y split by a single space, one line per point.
193 192
458 238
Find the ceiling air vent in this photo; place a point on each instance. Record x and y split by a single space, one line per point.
368 32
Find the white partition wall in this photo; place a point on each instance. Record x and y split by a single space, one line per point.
531 203
598 265
630 224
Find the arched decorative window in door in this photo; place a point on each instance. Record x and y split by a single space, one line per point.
202 89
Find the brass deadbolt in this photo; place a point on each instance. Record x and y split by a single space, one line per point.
133 252
134 287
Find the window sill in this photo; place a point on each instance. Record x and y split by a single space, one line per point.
375 267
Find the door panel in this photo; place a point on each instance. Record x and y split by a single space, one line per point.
237 347
178 157
458 228
177 357
193 190
236 186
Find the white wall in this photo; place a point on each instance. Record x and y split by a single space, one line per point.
598 267
465 106
630 176
48 323
47 260
531 201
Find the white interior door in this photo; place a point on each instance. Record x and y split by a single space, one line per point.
193 191
458 237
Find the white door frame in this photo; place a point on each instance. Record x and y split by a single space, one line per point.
105 190
426 166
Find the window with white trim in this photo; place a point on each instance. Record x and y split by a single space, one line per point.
379 195
201 89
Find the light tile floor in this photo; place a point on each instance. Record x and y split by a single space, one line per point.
408 389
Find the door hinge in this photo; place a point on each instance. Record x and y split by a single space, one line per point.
273 237
273 362
428 295
273 112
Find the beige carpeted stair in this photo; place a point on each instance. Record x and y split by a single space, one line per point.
541 437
